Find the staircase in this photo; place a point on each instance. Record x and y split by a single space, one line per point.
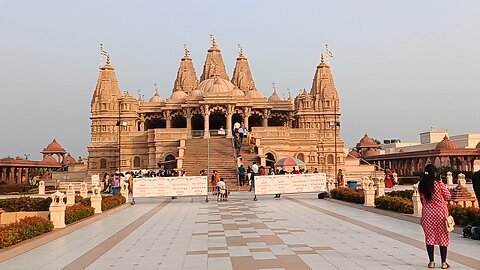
221 158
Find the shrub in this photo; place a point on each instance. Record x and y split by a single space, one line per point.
15 188
464 215
77 212
23 229
349 195
397 204
406 194
25 204
83 201
109 202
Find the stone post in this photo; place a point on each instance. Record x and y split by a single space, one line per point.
417 204
57 210
41 188
70 195
330 184
369 192
395 178
83 190
96 200
380 185
124 191
449 179
461 180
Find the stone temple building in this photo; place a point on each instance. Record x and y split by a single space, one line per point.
182 131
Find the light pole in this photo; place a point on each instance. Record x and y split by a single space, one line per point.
335 124
26 156
120 124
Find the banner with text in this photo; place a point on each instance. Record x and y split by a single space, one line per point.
290 183
170 186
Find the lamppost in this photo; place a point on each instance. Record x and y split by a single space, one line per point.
120 124
26 156
335 124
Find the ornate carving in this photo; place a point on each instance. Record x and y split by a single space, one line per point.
230 109
218 108
205 110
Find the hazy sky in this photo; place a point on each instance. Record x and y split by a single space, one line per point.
400 67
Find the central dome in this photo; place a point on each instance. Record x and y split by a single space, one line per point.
205 86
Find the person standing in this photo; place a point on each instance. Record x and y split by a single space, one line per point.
388 179
252 177
340 179
241 175
434 196
238 144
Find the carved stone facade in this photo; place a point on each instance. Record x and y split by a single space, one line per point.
142 134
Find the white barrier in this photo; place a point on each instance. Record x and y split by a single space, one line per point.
290 183
170 186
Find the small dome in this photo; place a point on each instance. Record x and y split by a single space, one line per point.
54 147
274 97
196 95
367 142
371 152
208 83
69 160
178 97
49 159
254 94
218 88
478 145
156 98
446 144
237 92
353 154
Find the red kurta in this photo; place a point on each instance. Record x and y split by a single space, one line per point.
434 213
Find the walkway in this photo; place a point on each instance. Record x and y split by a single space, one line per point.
295 232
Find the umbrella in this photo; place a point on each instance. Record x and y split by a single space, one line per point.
289 161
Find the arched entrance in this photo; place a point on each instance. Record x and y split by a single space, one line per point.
198 122
270 160
275 122
179 122
170 162
255 120
217 120
237 118
301 157
155 123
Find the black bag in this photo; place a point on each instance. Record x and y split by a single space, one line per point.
475 233
467 231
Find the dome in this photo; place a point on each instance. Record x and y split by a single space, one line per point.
371 152
49 159
156 98
208 83
237 92
196 95
69 160
367 142
274 97
353 154
54 147
478 145
178 97
218 88
446 144
254 94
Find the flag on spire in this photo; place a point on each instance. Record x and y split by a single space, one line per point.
328 52
102 51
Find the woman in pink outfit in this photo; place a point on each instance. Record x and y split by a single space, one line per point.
434 196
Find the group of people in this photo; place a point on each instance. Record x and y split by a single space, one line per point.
241 133
113 182
219 187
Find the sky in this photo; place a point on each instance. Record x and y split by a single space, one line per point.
400 67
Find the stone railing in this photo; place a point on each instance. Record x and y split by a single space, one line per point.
171 134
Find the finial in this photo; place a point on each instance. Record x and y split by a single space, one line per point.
186 52
273 86
289 94
108 59
322 59
240 50
139 94
102 53
156 88
212 39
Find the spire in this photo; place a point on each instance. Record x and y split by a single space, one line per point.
186 76
107 88
214 60
242 75
323 86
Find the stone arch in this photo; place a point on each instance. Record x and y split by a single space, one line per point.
270 159
277 120
136 162
330 159
301 156
217 118
255 119
103 163
169 162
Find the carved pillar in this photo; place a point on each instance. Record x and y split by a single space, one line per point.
2 177
188 117
168 118
26 175
206 121
265 115
246 114
229 120
142 122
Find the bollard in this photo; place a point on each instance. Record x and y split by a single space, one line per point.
57 210
449 179
83 190
96 200
417 204
124 191
461 180
380 185
70 195
41 188
330 184
369 192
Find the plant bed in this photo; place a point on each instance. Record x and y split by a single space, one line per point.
21 204
109 202
406 194
349 195
464 215
397 204
17 189
24 229
77 212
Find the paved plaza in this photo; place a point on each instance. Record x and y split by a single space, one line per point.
294 232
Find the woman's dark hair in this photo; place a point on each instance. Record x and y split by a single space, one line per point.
425 186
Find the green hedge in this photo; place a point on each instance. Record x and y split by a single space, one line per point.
77 212
397 204
25 204
23 229
349 195
406 194
83 201
464 215
109 202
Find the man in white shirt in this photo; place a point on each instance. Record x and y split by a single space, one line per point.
222 190
254 172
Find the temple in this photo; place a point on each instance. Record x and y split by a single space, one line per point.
130 133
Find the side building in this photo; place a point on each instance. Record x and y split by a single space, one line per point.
131 133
